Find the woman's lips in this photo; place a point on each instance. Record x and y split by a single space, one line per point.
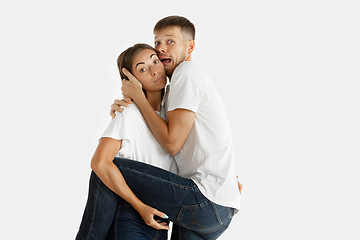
158 79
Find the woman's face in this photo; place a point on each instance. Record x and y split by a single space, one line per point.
149 70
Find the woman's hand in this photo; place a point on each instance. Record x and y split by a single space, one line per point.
148 213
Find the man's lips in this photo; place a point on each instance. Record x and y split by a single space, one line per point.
165 60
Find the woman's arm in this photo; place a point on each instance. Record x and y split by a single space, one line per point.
110 175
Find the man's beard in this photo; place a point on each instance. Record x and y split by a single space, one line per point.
169 72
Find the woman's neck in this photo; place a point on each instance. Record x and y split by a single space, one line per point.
154 99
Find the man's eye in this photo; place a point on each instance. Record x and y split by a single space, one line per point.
170 41
157 43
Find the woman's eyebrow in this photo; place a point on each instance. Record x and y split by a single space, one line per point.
139 64
143 62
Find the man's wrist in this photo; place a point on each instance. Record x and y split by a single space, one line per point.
139 97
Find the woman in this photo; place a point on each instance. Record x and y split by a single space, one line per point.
127 136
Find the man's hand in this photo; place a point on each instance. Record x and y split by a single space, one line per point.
118 104
147 213
131 88
240 186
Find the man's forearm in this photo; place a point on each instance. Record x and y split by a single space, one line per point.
158 126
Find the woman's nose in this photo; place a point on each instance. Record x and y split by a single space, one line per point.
153 71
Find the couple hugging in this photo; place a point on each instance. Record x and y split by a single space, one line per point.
166 156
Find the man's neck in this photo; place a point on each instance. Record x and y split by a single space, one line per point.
187 60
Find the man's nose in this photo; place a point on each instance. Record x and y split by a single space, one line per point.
162 48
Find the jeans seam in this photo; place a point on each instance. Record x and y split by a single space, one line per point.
215 237
115 222
194 218
194 188
217 214
157 235
93 210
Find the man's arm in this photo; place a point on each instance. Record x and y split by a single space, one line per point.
171 135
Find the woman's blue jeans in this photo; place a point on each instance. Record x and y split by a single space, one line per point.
129 225
193 215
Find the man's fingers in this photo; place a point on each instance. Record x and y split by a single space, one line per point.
123 103
127 73
240 186
128 100
116 108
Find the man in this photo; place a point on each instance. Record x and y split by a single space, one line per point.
197 132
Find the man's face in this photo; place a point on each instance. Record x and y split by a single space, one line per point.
172 48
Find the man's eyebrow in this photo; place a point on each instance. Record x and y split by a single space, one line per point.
143 62
167 36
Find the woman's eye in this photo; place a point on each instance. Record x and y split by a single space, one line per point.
156 61
142 70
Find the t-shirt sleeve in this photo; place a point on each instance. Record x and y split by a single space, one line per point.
120 128
185 91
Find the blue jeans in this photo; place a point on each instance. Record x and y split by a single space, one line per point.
193 215
129 225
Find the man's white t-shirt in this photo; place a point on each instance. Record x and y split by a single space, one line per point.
207 156
138 143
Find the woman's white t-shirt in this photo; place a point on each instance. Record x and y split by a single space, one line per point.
138 143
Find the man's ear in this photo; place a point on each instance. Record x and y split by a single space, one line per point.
191 46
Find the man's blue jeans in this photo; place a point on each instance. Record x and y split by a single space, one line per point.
193 215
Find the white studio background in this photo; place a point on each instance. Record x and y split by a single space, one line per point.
288 72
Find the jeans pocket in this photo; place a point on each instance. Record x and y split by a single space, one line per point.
203 216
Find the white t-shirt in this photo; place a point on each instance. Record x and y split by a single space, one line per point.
207 156
138 143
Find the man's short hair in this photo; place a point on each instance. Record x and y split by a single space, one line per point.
177 21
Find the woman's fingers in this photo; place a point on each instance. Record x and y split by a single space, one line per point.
160 214
148 213
158 225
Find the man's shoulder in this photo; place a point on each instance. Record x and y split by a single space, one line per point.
188 66
189 70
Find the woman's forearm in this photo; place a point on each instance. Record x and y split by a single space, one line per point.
114 180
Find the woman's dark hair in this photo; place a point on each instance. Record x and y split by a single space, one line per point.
125 60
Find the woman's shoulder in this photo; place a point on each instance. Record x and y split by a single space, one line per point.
129 111
129 115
